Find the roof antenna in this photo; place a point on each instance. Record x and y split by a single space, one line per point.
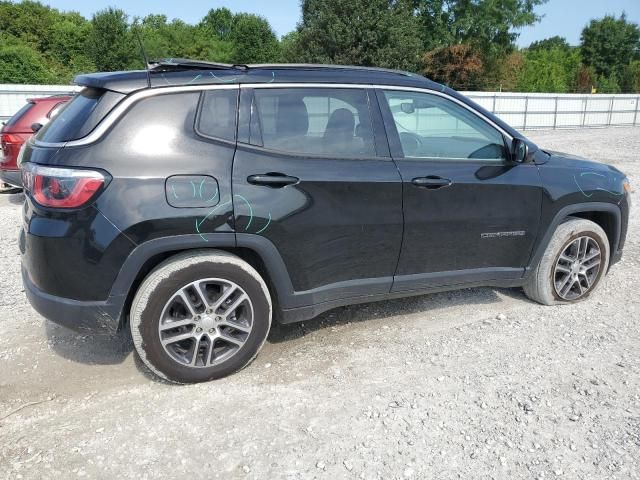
142 52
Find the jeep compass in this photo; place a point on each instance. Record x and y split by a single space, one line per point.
193 203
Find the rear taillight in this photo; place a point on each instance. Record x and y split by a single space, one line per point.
61 187
8 142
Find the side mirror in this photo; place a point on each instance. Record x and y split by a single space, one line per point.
407 107
519 150
36 126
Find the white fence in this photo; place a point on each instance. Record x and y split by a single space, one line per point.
13 97
524 111
529 111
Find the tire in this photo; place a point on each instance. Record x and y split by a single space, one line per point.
200 316
547 284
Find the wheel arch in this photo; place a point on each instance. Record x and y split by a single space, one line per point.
258 252
607 215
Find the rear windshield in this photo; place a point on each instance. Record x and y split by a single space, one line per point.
78 117
13 120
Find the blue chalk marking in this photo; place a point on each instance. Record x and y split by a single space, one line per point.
273 77
582 174
197 77
212 212
214 196
173 189
266 226
250 210
193 185
222 80
198 230
201 184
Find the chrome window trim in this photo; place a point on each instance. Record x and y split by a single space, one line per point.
113 116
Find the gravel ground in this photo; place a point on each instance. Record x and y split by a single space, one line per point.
478 383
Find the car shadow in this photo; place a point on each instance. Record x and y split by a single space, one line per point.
112 349
16 198
89 348
390 308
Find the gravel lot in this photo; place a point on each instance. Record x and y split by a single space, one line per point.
479 383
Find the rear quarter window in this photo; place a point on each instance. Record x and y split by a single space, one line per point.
78 117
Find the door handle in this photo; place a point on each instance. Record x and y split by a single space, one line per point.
431 182
273 180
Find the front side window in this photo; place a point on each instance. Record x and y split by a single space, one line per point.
430 126
317 121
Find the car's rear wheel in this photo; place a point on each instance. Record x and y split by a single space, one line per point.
573 264
200 316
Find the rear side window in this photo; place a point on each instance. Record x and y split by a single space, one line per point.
19 114
218 114
78 117
319 121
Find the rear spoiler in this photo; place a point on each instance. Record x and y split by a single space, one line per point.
121 82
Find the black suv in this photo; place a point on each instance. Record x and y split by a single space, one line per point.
194 201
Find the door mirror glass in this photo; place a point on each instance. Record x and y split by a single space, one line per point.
36 126
520 150
407 107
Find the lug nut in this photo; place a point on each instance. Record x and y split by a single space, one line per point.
218 318
198 330
211 330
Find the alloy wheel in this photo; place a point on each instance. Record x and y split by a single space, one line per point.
577 268
206 322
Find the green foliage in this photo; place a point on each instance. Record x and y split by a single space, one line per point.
631 81
253 39
552 69
359 32
609 44
21 64
487 25
110 43
549 43
464 43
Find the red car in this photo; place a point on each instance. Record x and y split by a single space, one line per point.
19 128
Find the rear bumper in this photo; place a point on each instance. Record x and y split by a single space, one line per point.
77 315
12 177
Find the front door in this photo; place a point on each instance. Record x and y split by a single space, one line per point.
313 176
471 215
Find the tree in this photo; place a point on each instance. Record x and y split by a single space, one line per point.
609 44
250 37
20 64
488 25
289 48
457 66
632 77
253 39
179 39
552 69
110 45
549 43
510 71
382 33
218 22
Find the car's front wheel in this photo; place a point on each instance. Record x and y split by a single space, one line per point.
200 316
573 264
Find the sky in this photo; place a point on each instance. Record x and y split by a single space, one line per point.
561 17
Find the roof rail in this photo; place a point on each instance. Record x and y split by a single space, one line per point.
163 64
320 66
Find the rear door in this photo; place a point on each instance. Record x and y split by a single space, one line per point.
471 215
313 177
